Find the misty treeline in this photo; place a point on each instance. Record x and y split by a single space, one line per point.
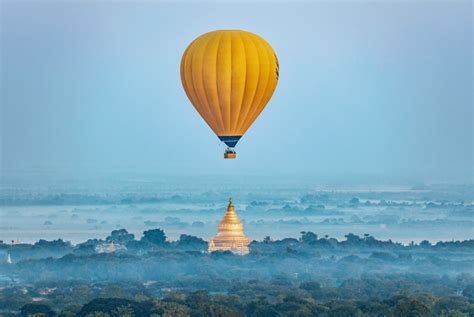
120 256
305 276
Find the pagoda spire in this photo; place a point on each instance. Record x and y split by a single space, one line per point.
230 233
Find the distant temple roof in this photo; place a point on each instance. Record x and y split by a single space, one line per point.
230 235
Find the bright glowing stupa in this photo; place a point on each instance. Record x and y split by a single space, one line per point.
230 235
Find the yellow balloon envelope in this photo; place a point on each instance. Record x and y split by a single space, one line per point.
229 76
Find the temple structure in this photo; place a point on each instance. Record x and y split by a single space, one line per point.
230 235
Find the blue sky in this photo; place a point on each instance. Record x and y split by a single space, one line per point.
375 89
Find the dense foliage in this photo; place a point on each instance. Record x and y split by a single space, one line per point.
253 298
308 276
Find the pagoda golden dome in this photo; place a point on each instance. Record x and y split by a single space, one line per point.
230 235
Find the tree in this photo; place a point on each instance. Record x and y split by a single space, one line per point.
309 237
411 307
469 292
453 313
70 311
36 310
120 236
54 244
425 244
82 293
352 238
154 236
123 311
188 241
172 309
118 307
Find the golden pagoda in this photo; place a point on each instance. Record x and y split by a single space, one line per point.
230 235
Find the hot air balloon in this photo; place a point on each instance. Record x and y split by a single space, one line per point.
229 76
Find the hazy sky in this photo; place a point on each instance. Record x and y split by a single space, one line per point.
366 88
